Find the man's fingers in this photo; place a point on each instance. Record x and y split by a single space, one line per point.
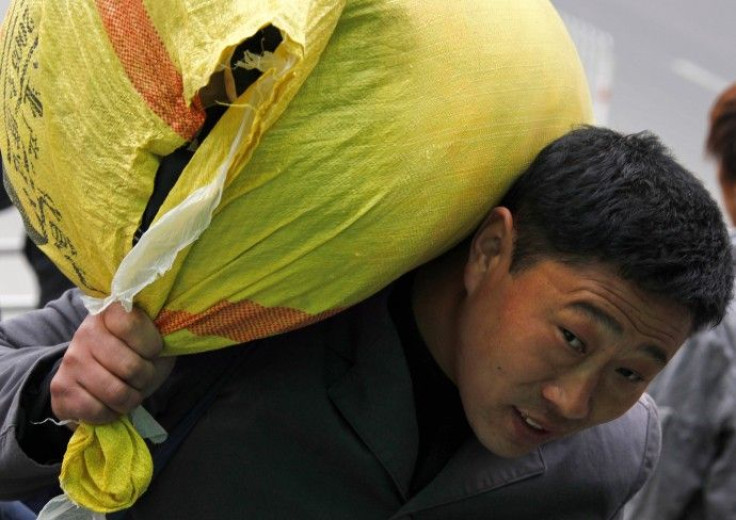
104 386
134 328
73 402
124 363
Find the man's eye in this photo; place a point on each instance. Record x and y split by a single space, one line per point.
573 341
630 375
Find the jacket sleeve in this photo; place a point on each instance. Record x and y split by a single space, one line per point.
30 346
696 395
650 449
719 499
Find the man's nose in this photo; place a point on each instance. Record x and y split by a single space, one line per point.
571 394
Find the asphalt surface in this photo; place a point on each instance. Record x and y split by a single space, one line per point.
670 60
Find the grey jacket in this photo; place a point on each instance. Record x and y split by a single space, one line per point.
319 423
696 394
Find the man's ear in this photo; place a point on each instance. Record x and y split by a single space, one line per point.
492 247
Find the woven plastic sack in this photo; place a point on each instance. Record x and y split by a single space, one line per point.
344 165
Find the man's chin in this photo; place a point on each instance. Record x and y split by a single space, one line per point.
504 448
513 438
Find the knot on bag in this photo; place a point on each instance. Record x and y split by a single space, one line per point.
106 468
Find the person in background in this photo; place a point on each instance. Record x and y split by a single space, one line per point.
696 393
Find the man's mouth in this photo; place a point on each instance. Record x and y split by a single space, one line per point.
535 424
531 422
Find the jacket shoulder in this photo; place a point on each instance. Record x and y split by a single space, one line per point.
611 461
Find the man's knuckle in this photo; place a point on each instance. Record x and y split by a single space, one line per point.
57 387
71 359
122 398
130 369
87 329
124 328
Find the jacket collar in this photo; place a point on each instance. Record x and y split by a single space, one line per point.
471 471
375 397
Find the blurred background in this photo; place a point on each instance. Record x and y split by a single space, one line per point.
652 65
669 61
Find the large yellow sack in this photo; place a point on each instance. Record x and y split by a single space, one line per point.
377 136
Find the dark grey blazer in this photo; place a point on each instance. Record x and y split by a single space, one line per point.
320 424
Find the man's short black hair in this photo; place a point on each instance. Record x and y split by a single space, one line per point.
595 195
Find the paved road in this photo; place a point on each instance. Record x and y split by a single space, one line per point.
671 59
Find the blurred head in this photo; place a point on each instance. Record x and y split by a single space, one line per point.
721 144
578 289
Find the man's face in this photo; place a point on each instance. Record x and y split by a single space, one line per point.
554 349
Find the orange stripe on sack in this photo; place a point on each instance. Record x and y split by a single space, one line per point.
148 65
241 322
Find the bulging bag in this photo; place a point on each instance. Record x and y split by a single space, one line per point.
376 135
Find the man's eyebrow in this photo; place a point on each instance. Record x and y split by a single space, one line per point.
613 325
600 316
656 353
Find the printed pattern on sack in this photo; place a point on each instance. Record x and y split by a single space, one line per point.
23 113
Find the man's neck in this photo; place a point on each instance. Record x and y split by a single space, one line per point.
438 293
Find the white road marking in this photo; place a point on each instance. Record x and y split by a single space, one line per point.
696 74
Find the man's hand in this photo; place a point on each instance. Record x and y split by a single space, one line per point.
111 365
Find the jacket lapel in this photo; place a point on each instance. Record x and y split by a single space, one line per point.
375 395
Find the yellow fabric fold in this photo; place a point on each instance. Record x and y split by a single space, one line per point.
107 468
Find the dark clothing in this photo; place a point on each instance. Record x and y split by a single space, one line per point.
441 422
322 423
15 511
